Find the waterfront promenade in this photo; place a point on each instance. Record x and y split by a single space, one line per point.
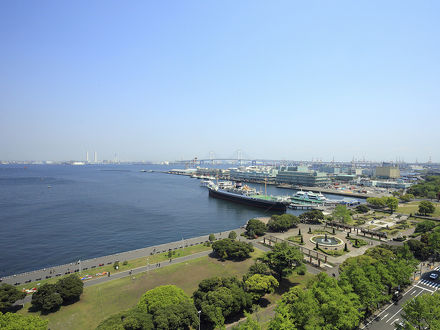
91 264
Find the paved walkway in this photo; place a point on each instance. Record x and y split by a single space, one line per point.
51 272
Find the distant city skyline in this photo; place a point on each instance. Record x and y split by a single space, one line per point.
158 81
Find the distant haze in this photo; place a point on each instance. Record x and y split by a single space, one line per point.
169 80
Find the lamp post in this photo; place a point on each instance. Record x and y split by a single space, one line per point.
199 312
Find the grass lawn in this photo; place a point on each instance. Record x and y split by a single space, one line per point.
413 207
100 301
130 264
296 239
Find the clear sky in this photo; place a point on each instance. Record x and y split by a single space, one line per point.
166 80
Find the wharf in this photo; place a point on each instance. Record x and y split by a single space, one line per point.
329 191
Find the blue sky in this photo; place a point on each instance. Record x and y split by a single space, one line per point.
165 80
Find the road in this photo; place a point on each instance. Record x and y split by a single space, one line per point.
390 316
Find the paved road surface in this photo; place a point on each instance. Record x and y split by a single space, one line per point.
391 316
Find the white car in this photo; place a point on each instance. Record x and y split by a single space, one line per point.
433 276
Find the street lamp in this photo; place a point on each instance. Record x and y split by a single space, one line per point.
199 312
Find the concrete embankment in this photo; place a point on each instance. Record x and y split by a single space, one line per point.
90 264
330 191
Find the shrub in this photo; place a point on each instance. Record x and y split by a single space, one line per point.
230 249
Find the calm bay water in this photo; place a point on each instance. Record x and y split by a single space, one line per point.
54 214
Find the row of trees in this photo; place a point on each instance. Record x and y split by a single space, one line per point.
277 223
365 282
382 202
422 312
50 297
430 188
428 246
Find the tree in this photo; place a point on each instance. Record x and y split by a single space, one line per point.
256 226
259 268
12 321
170 308
406 198
282 223
392 203
258 285
342 214
313 216
283 259
423 312
426 207
425 226
230 249
377 202
9 294
221 297
70 288
47 299
232 235
362 208
211 237
133 318
323 305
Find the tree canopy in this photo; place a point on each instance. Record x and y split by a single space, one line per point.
342 214
70 288
9 294
323 305
312 216
220 298
133 318
392 203
377 271
282 223
430 187
230 249
423 312
170 308
12 321
426 207
255 227
47 299
283 259
258 285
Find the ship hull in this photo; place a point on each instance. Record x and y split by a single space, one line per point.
255 202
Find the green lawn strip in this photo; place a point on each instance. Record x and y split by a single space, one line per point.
360 242
413 207
134 263
100 301
295 239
